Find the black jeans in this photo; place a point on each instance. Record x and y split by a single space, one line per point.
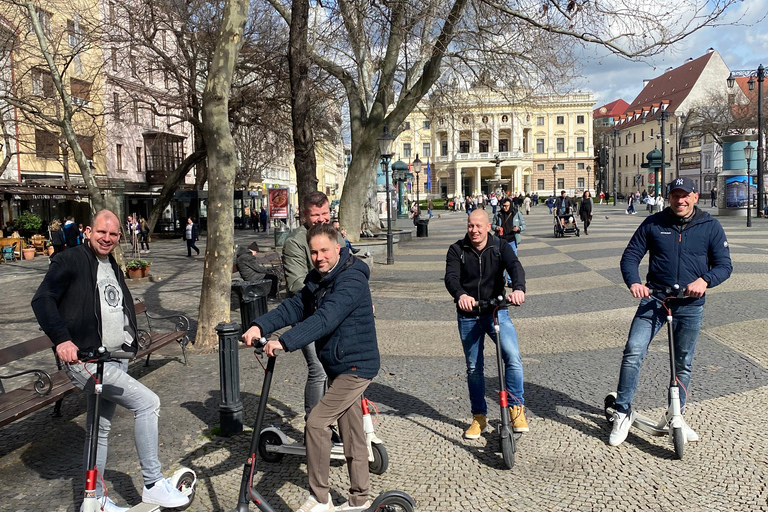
191 245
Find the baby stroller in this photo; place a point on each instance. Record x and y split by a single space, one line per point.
570 226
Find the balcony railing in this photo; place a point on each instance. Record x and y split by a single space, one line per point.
486 157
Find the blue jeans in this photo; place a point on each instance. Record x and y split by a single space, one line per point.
649 319
119 388
513 244
472 331
314 389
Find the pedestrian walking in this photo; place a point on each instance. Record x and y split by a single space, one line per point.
527 204
144 234
602 196
713 196
705 263
254 220
630 204
71 233
263 218
191 234
585 210
474 271
56 236
430 207
550 203
508 224
494 203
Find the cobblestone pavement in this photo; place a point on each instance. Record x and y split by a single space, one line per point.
572 329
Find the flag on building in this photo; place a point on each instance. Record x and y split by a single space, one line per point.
428 185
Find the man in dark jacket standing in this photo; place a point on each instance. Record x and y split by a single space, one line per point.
335 311
474 271
687 248
83 303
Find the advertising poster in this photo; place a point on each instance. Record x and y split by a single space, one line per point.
278 203
736 191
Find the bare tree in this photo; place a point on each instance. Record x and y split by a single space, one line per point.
388 56
724 113
222 163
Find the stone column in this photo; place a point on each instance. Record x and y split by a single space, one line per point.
494 134
477 180
457 173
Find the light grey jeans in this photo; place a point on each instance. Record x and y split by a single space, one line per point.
119 388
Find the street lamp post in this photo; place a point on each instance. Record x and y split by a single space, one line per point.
386 142
589 170
615 133
463 175
662 118
748 149
759 73
554 180
417 169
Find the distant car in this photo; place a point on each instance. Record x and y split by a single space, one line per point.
620 196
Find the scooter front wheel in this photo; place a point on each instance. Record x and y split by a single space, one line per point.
678 439
609 405
186 484
508 450
380 461
393 503
269 438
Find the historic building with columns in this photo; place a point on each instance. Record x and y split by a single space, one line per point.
543 143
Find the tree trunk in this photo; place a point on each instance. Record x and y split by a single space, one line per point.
303 138
222 163
357 208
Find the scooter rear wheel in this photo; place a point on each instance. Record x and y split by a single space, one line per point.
678 439
508 451
186 485
270 438
395 504
380 461
609 403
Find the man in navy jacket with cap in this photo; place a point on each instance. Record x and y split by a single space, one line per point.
687 247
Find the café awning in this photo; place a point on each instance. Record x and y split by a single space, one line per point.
42 192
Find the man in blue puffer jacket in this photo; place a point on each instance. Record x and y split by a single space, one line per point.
335 310
687 248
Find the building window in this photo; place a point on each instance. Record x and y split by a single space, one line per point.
112 16
46 144
560 119
444 148
634 159
560 167
134 66
626 160
136 111
580 182
484 146
464 146
80 91
580 144
407 150
114 59
407 125
86 145
116 105
42 83
539 145
426 125
651 132
539 167
580 165
634 138
73 33
642 136
163 37
504 119
503 145
540 184
485 119
426 149
580 119
138 158
540 121
560 144
119 152
561 183
153 116
44 17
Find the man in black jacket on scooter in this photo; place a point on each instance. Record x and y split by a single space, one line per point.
474 271
335 311
687 247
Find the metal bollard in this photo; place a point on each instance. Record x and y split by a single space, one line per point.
231 407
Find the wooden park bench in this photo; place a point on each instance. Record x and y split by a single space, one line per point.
51 384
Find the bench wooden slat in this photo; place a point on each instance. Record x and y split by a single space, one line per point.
23 401
160 340
24 349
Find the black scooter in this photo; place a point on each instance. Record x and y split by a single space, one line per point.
390 501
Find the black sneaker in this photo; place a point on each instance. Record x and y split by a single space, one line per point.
335 437
354 250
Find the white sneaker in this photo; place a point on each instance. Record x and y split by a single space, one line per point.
312 505
347 507
163 493
621 424
107 505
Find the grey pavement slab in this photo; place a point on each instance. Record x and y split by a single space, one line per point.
572 330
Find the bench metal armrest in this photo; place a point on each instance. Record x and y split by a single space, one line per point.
43 384
181 321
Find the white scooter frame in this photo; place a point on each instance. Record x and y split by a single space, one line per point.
274 444
183 479
671 423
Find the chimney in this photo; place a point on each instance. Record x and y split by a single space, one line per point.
710 50
646 82
670 68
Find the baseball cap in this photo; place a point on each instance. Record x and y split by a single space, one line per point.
253 247
684 184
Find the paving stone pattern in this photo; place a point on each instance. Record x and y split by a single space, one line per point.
572 330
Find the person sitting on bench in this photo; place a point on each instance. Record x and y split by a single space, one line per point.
251 269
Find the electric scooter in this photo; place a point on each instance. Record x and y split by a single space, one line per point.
671 422
183 479
274 444
507 437
390 501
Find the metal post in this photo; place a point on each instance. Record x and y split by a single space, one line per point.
749 198
231 407
660 183
760 157
418 203
615 132
390 256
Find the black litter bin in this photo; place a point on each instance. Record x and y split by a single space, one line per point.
253 299
422 228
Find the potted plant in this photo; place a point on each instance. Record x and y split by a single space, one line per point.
133 268
29 250
145 267
49 247
28 223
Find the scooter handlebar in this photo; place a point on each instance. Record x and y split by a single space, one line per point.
669 292
104 355
501 302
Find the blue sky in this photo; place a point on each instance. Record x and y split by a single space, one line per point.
742 47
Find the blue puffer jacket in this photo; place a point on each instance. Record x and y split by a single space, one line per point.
680 251
336 312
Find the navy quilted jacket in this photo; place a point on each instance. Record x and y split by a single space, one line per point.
336 312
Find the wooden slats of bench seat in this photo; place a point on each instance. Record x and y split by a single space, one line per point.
23 401
24 349
159 340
